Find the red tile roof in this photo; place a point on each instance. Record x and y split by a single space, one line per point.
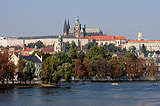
112 37
143 40
120 38
48 50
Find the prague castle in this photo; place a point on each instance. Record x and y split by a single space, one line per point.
79 31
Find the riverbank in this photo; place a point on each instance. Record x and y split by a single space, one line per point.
5 86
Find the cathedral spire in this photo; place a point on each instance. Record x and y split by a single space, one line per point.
68 24
65 22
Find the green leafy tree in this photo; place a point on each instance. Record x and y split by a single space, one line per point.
64 71
123 64
99 52
29 71
111 48
89 45
64 58
49 66
72 53
38 44
67 46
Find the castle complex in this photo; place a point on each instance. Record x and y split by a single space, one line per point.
78 31
81 36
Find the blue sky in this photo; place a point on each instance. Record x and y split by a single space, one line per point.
114 17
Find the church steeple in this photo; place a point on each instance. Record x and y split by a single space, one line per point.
68 24
65 22
65 29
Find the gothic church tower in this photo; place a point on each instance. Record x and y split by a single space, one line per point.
66 28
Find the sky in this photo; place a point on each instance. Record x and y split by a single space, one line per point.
114 17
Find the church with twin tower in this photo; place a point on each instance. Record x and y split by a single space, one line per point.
79 31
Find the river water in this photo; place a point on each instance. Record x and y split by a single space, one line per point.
85 94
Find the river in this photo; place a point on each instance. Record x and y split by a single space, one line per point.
85 94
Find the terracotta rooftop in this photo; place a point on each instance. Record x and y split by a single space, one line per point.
120 38
143 40
111 37
48 50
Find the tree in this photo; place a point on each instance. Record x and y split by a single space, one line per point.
132 49
87 67
79 71
114 68
7 68
38 44
101 68
66 46
20 67
99 52
49 66
81 55
151 69
131 68
63 71
89 45
123 64
29 71
72 53
144 49
63 57
158 52
131 55
140 67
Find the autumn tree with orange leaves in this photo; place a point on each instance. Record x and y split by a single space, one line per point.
7 68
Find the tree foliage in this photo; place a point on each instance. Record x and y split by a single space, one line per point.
63 71
151 69
7 68
72 53
98 52
67 46
29 71
49 66
20 67
38 44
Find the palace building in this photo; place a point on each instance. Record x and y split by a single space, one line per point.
151 45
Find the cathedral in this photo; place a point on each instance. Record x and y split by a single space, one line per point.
78 31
